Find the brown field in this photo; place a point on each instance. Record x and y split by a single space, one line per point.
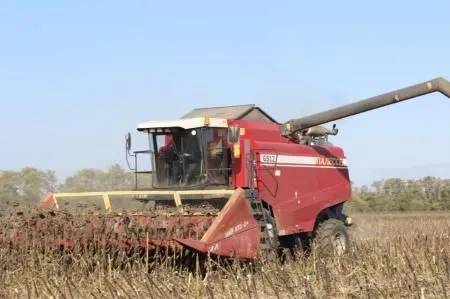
394 255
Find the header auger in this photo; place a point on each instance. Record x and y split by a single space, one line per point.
231 181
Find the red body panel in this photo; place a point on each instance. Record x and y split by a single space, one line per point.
298 181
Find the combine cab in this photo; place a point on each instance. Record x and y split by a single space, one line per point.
229 181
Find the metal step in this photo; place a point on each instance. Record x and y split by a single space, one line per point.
269 238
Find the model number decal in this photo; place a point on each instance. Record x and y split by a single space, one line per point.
235 229
214 248
269 158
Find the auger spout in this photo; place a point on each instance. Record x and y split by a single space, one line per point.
438 84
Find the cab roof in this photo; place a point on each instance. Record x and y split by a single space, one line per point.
235 112
212 116
187 123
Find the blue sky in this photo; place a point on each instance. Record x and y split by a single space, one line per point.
75 76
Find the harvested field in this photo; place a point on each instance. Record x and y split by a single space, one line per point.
393 255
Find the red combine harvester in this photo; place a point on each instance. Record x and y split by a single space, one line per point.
233 182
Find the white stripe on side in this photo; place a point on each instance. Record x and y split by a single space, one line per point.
302 161
302 166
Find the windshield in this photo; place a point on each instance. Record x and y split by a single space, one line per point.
188 158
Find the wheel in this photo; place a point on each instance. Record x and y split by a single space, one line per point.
331 238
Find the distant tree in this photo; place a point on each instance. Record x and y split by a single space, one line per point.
26 185
83 180
114 178
394 194
9 186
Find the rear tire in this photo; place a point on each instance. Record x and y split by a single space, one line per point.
331 238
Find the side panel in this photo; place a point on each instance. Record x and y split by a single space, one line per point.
234 232
251 131
242 166
299 181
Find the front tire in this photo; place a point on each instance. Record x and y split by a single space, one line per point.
331 238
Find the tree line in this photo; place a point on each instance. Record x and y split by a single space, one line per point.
395 194
29 184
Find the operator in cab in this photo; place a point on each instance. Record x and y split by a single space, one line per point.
193 157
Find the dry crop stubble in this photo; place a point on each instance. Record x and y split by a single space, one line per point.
393 255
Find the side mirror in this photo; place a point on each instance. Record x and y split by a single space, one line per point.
233 134
128 142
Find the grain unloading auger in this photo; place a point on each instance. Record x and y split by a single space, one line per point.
234 182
